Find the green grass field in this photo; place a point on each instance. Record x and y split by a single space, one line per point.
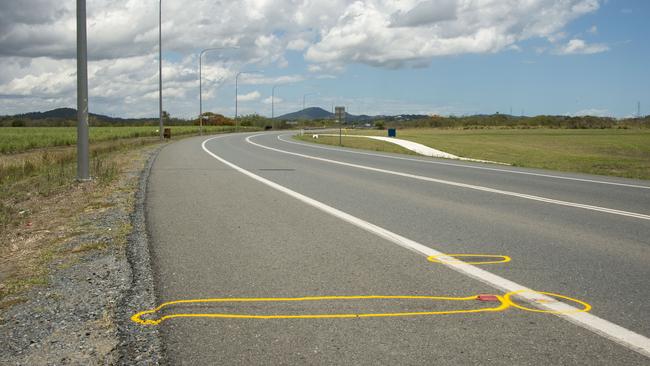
18 139
615 152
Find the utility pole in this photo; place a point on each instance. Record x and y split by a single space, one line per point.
638 109
83 164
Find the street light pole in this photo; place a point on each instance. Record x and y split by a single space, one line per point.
200 82
83 164
160 109
273 101
303 99
236 94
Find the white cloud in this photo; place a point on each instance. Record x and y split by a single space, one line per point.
297 44
275 100
395 34
580 47
37 43
591 112
258 79
249 97
425 13
593 30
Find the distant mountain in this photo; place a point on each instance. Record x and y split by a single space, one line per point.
62 113
313 113
307 113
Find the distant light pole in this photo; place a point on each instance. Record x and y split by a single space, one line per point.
273 101
160 110
303 99
236 92
200 86
83 164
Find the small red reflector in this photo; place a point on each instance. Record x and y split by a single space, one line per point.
491 298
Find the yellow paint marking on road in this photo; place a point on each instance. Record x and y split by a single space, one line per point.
452 258
503 305
505 302
508 298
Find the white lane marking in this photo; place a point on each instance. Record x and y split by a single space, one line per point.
462 185
609 330
315 146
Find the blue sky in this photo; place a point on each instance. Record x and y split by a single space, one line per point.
448 57
525 80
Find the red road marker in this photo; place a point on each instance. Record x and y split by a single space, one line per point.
486 297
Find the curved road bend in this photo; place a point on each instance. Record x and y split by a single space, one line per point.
218 233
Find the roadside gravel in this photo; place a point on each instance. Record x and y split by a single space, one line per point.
81 316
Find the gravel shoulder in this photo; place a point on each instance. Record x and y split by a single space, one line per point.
97 275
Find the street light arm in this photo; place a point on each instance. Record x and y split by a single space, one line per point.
201 82
236 91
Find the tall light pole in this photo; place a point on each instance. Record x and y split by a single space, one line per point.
83 164
160 110
236 95
273 101
236 92
200 81
303 99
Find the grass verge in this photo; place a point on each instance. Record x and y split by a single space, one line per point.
355 142
613 152
18 139
43 209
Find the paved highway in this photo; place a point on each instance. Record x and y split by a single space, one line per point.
266 216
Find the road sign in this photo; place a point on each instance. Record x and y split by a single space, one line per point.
339 113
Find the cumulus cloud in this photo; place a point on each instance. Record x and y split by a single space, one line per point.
258 79
425 13
580 47
249 97
408 33
596 112
275 100
37 42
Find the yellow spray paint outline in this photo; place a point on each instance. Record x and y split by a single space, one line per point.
137 318
436 258
508 298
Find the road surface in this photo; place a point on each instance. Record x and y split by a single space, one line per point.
265 216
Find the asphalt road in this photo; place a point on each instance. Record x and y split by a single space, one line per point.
218 233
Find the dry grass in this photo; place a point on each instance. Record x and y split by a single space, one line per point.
43 206
356 142
615 152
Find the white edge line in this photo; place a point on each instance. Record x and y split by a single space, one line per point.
462 185
607 329
466 166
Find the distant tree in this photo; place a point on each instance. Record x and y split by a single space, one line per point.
255 120
215 119
166 117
